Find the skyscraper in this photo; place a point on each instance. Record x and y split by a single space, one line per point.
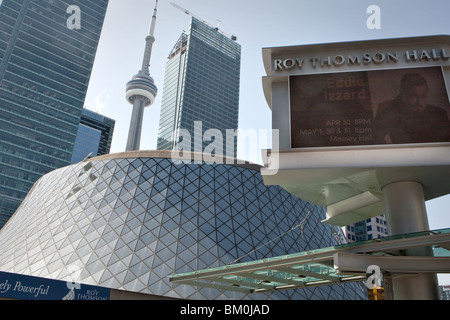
201 88
47 50
94 136
368 229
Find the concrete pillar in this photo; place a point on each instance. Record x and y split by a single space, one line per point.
134 134
406 213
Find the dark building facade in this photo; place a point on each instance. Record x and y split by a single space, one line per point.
94 136
45 67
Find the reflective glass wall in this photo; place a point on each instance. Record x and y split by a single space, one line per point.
45 69
202 85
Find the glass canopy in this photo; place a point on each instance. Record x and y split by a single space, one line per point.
310 268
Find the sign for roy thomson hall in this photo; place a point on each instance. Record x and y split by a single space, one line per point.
396 106
23 287
393 93
353 117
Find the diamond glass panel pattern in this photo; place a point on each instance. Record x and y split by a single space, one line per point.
131 223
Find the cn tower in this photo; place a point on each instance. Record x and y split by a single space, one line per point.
141 91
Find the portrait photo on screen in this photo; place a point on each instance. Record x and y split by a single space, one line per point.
396 106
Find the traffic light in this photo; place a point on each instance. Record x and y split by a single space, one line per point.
377 293
374 283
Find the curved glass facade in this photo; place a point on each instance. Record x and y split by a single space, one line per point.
129 221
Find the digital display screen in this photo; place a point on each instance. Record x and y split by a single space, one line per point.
396 106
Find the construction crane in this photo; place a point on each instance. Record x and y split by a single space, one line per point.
232 37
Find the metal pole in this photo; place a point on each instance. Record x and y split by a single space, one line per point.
406 213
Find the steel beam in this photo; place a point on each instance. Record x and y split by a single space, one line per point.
348 262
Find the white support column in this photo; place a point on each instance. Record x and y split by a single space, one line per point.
406 213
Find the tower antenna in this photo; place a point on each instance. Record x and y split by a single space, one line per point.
150 39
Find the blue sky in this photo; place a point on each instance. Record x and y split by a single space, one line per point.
257 24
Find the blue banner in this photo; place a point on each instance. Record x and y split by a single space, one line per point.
21 287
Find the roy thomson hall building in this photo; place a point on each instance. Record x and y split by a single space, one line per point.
364 130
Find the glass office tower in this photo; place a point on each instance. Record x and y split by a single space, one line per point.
94 136
201 88
45 68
